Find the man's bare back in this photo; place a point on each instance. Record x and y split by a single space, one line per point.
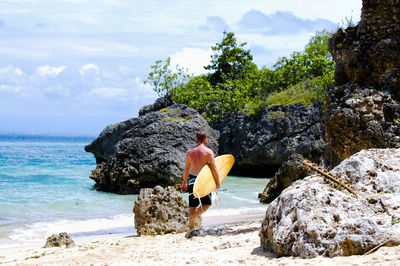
198 157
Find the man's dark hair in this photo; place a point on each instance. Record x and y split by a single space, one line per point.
200 136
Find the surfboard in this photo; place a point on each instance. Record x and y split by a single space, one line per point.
205 183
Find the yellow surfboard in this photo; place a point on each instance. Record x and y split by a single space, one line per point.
205 183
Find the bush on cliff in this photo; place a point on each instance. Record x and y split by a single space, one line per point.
305 92
301 78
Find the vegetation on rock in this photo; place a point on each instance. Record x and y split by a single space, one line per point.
235 83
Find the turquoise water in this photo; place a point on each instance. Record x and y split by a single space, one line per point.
45 188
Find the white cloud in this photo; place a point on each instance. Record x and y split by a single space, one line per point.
56 92
11 70
138 80
280 23
50 71
142 86
10 88
193 59
108 92
89 20
215 23
11 75
124 70
89 69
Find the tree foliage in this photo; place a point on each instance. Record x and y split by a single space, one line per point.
163 79
230 61
234 82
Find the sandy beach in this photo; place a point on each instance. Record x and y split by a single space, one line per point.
239 245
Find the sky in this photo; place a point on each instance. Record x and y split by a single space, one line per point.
72 67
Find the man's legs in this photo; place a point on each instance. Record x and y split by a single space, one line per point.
194 213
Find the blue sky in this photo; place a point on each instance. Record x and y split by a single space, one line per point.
76 66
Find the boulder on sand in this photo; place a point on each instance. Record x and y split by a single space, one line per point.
312 217
148 150
160 211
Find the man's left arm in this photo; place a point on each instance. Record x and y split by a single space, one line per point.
214 170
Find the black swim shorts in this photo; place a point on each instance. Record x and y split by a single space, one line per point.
194 202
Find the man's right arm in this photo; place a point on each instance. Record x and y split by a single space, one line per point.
186 173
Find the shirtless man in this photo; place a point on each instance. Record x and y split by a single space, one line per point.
196 158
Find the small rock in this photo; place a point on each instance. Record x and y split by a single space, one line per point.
62 239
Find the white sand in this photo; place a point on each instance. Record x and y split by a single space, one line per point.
175 249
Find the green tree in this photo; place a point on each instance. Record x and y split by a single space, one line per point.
229 61
163 79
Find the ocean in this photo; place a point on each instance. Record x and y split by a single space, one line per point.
45 188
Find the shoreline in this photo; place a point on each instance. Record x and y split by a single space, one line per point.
208 221
241 245
127 249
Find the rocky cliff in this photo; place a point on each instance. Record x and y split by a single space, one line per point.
148 150
362 108
261 143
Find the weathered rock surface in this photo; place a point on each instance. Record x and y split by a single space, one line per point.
312 218
62 239
290 171
159 104
148 150
362 108
266 141
160 211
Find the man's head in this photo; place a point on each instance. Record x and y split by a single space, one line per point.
201 137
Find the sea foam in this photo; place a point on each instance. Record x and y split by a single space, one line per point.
39 231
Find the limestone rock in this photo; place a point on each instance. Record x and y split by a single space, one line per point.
374 171
312 217
290 171
160 211
262 143
62 239
360 119
148 150
361 107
